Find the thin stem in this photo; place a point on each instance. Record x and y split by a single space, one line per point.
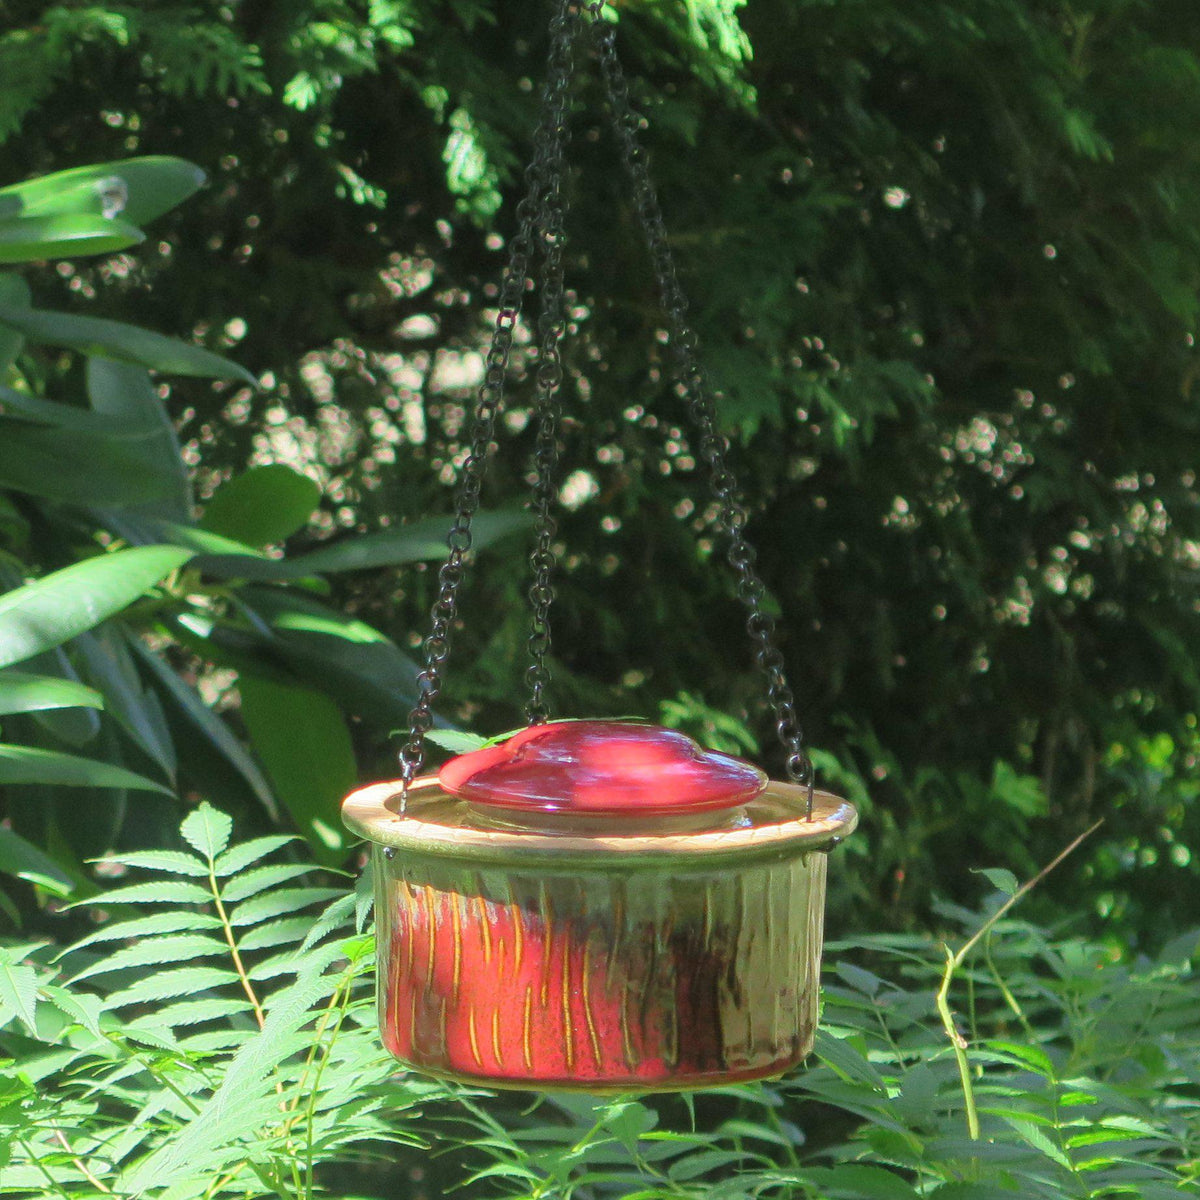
60 1137
954 960
310 1111
1004 989
36 1159
230 941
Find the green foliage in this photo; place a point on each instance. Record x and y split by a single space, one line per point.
101 552
943 262
218 1038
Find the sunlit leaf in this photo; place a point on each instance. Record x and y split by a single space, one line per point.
46 613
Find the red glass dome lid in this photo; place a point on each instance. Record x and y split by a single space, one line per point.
601 768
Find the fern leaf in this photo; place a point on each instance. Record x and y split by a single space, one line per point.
174 862
83 1009
238 858
166 891
287 963
276 933
335 915
216 1041
207 830
279 903
174 948
18 991
179 921
241 887
244 1094
170 985
195 1012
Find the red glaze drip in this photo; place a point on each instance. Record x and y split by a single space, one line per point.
486 990
601 767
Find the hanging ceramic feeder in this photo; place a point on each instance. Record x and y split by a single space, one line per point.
595 904
602 906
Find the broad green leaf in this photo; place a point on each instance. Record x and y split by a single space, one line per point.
106 655
128 343
210 547
126 393
23 860
303 742
207 830
30 239
695 1165
364 671
238 858
137 189
71 418
14 292
862 981
421 541
76 726
18 991
53 609
1029 1133
28 765
217 736
1180 949
73 466
973 1191
262 506
23 692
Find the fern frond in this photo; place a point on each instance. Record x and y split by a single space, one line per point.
170 985
250 883
174 862
169 891
287 931
237 858
176 921
279 903
174 948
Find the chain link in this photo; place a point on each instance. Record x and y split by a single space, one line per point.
540 217
540 180
551 327
701 404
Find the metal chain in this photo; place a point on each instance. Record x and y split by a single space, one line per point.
691 375
551 327
547 142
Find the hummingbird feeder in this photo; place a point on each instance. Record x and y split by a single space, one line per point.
595 905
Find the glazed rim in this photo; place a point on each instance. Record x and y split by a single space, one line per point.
373 812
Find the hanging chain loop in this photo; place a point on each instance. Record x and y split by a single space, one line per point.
701 405
531 215
540 217
551 327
